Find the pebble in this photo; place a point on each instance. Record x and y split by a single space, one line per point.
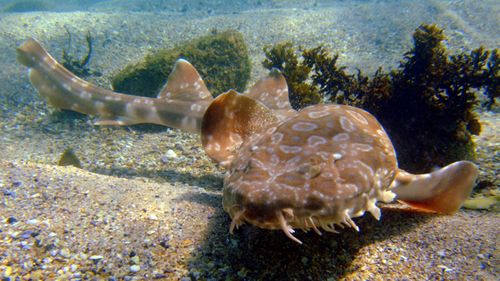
135 259
9 193
445 268
96 257
73 267
36 275
135 268
27 234
64 253
441 253
17 184
32 222
170 155
7 272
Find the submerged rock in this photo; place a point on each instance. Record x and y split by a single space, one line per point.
221 58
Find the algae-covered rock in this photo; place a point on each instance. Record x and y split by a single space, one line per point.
221 58
69 158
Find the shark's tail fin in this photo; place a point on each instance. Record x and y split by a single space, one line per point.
442 191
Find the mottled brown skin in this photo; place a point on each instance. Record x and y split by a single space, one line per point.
316 168
319 167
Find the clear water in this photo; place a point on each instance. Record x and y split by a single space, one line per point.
366 34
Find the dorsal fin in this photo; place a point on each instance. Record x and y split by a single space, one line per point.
272 91
230 120
185 83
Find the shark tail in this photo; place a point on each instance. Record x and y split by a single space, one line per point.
442 191
180 104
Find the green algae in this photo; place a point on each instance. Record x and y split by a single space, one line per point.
481 202
69 158
221 58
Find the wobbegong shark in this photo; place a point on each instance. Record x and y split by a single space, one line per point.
313 169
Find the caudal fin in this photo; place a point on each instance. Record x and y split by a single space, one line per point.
442 191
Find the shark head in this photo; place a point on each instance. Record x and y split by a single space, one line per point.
316 168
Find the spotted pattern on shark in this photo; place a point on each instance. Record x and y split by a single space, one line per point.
317 168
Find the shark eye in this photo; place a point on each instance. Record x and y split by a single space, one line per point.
309 170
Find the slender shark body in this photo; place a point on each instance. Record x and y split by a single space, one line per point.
311 169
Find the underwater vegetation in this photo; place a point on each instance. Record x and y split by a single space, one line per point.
27 6
69 158
220 57
284 57
79 66
426 105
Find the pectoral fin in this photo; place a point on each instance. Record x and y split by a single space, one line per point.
442 191
231 119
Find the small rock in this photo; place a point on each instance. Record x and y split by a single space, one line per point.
7 272
9 193
165 244
304 260
64 253
171 154
445 268
73 267
179 146
36 275
441 253
135 259
134 268
96 258
27 234
11 220
32 222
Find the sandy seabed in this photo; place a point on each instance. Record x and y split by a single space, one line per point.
133 214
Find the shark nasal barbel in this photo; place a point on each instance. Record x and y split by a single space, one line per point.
316 168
